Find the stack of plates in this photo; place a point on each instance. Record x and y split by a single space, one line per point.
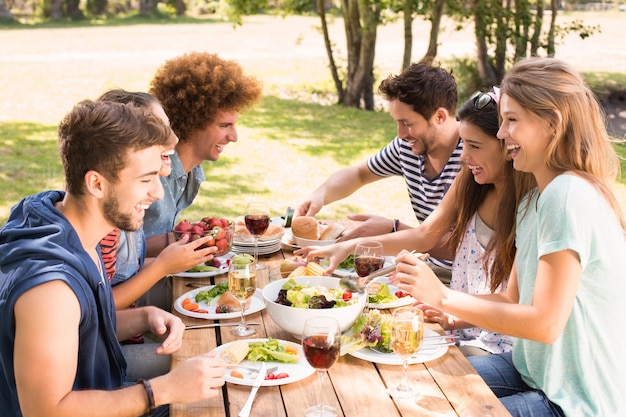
266 246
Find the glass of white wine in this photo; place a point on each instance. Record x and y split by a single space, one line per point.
407 335
242 284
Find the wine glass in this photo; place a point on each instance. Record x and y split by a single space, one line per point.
257 220
242 284
407 335
320 343
368 257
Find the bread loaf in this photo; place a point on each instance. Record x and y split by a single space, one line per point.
305 227
332 231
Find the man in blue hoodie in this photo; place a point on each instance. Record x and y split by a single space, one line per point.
59 330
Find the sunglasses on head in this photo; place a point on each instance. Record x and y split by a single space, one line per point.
482 100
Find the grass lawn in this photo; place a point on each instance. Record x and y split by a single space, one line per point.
288 144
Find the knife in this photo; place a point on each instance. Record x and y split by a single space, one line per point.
245 411
208 326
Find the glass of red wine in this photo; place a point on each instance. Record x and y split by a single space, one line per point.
368 257
257 220
320 343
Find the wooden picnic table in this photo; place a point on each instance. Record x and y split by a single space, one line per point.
448 386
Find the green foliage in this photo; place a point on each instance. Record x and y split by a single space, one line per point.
466 76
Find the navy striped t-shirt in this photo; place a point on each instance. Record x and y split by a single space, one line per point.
397 158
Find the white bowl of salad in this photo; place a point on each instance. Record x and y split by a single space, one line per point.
310 296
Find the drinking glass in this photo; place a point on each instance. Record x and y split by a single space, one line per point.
407 335
320 343
368 257
257 220
242 284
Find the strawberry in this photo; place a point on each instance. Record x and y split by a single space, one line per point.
182 226
218 233
197 230
222 246
214 221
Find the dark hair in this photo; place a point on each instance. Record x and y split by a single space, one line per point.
194 88
469 194
99 135
424 87
138 98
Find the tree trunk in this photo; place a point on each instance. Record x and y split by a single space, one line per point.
407 14
534 41
146 7
181 7
502 30
321 9
484 68
5 13
435 20
521 29
361 19
554 5
73 10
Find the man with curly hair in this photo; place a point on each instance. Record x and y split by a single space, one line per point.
202 94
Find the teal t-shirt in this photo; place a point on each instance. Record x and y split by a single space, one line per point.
584 371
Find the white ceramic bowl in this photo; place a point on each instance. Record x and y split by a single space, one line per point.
291 319
303 243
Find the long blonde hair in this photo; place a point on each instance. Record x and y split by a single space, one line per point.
553 90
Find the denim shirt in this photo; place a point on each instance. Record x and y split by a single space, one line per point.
180 189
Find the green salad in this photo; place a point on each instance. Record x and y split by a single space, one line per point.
211 295
371 329
383 296
270 351
307 296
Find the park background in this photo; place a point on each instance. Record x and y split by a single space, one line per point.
288 143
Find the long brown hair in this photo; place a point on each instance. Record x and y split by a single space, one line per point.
469 195
553 90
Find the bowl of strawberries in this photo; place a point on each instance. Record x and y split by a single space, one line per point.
220 229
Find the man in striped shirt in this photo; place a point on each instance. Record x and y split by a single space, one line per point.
426 152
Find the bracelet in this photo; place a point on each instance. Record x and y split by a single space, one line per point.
396 223
150 394
452 326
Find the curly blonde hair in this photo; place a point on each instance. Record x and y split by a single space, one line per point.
196 87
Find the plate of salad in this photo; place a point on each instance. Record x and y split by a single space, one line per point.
205 305
383 294
369 339
285 360
219 265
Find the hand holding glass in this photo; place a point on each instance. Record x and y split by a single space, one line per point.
242 284
320 343
407 335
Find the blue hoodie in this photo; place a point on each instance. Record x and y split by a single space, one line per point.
39 245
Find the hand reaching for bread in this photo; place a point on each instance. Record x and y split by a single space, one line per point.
308 227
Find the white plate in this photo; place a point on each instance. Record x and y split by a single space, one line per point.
263 250
288 240
221 270
257 304
296 371
425 354
392 304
